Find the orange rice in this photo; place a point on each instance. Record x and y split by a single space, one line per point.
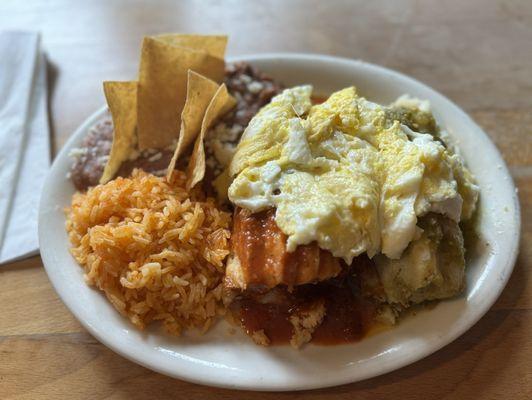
155 250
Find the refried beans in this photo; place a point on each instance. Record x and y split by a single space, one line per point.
251 88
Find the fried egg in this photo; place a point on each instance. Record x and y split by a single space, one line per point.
344 175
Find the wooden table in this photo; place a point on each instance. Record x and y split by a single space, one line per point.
479 53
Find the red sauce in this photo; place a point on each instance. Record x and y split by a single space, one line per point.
271 318
261 249
348 318
316 99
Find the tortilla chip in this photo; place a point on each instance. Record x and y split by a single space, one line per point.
211 44
200 91
122 101
220 104
162 88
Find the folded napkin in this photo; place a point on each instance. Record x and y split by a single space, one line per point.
24 142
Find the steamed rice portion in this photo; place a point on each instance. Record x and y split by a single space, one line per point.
155 250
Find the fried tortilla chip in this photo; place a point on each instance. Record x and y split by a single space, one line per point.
122 100
200 91
211 44
220 104
162 88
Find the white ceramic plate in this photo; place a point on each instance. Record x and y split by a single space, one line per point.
233 361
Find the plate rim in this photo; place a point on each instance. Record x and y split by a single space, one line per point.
219 381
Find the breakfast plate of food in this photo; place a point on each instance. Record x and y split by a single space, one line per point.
276 222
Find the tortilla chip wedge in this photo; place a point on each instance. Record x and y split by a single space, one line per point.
200 91
220 104
122 100
211 44
162 88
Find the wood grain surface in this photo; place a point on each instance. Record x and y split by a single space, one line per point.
478 53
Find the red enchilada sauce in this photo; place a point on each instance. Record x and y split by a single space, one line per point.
348 318
261 249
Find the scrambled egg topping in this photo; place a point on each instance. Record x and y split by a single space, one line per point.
344 175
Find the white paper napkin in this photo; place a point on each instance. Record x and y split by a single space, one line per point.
24 142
